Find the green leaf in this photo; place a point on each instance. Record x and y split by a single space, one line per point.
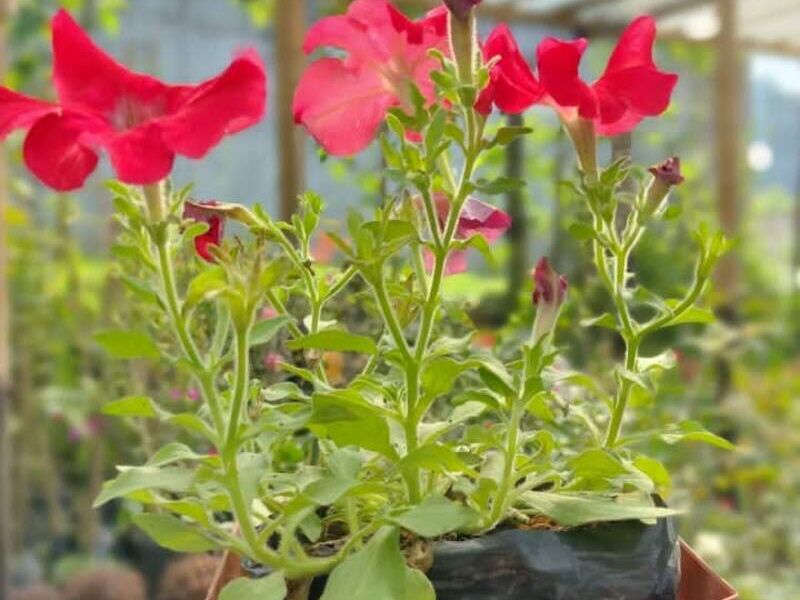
265 330
172 533
433 457
692 431
506 135
344 466
597 463
656 471
501 185
439 377
349 420
435 517
606 320
664 361
134 479
582 232
376 572
335 340
172 453
191 422
132 406
266 588
695 314
572 510
418 587
206 285
124 344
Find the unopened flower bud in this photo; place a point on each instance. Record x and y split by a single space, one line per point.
549 293
665 176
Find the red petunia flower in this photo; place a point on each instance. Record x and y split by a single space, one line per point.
512 87
343 101
208 211
141 122
477 218
631 88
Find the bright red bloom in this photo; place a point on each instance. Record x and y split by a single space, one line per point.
477 218
630 89
140 121
512 87
343 101
208 212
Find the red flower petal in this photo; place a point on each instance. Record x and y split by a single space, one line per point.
342 107
479 218
227 104
206 212
558 72
56 152
139 156
513 87
632 87
88 78
17 110
343 101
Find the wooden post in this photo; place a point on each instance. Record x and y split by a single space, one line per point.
519 262
5 343
795 264
729 125
290 24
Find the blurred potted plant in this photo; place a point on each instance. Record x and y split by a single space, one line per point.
438 467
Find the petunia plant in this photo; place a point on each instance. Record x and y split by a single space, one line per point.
430 436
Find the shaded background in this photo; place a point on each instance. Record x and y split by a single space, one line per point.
735 122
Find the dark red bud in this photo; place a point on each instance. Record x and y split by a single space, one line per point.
668 172
548 286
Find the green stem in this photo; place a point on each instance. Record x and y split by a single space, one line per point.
240 389
623 394
676 313
389 316
344 280
512 443
178 322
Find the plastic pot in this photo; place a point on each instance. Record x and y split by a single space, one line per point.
697 580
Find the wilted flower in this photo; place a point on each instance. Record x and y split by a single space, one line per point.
141 122
549 293
665 176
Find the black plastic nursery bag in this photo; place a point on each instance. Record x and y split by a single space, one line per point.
615 561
